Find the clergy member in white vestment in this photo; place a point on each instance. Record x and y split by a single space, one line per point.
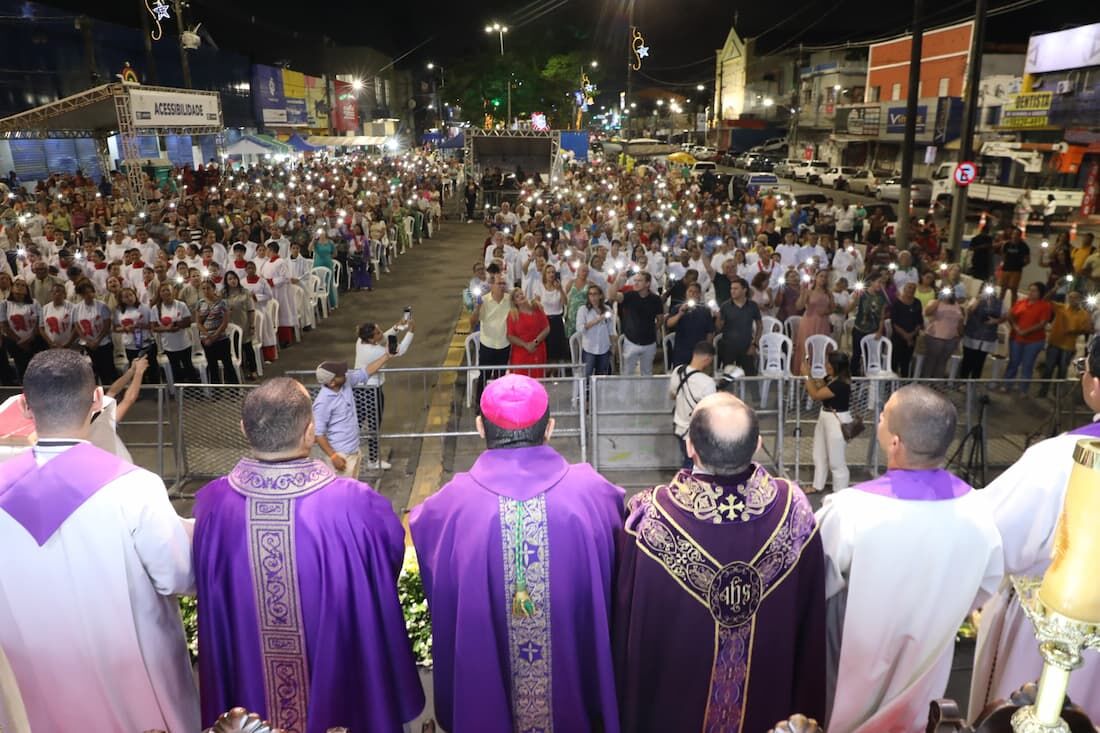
907 556
275 271
300 268
1025 502
93 556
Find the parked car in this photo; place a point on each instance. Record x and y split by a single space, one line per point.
703 165
763 163
771 145
920 192
837 177
757 184
785 168
810 170
702 152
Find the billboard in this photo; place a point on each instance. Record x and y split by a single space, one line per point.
294 92
173 109
317 107
1027 111
1076 48
895 119
268 95
345 112
858 120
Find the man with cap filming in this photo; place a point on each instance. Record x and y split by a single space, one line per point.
335 422
517 558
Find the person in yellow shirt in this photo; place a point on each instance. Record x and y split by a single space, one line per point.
1070 322
1082 253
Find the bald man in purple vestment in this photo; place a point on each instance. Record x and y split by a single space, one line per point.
517 558
719 619
297 570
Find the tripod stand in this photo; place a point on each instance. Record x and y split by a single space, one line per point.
972 446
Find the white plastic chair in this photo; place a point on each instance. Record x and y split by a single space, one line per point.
376 258
324 276
817 347
846 334
121 362
472 346
714 370
407 225
257 347
774 361
236 343
337 269
771 324
877 353
198 355
318 301
790 327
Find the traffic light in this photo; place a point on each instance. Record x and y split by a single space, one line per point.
496 101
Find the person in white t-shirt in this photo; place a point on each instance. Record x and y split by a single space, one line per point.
174 326
788 252
93 323
56 327
687 385
372 351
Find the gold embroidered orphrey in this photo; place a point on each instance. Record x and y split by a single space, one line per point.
732 592
703 499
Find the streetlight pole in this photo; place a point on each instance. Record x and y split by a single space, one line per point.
500 30
901 235
970 114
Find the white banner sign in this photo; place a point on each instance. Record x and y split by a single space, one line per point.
1076 48
173 109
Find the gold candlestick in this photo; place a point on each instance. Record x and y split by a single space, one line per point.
1065 605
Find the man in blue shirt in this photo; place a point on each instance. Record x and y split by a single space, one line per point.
334 420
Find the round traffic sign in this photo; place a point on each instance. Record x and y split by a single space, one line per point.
965 173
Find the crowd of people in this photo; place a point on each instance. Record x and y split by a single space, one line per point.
83 268
603 251
718 600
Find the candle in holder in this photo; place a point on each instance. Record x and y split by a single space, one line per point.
1069 586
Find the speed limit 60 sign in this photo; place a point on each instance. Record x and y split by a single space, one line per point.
965 173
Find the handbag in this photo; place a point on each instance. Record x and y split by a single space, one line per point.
851 429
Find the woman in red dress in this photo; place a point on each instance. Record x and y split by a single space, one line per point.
527 331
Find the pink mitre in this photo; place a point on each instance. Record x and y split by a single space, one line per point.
514 402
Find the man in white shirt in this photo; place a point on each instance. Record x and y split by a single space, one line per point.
118 245
94 557
845 220
372 351
847 263
788 252
892 638
813 255
687 385
508 216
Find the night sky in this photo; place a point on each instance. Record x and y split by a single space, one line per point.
682 35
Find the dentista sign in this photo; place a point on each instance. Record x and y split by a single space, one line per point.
174 109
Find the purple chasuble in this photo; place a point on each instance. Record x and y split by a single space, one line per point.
42 498
298 613
720 610
522 519
1092 430
934 484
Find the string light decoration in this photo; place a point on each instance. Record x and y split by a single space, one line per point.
637 45
160 11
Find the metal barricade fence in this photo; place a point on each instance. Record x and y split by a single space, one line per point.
632 430
414 404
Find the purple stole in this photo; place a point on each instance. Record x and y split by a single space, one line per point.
1092 430
270 489
733 592
42 498
934 484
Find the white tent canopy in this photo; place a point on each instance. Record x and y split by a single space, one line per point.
332 141
244 146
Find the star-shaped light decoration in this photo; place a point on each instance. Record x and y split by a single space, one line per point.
160 11
643 51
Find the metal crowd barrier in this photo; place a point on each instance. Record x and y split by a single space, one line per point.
421 403
632 429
